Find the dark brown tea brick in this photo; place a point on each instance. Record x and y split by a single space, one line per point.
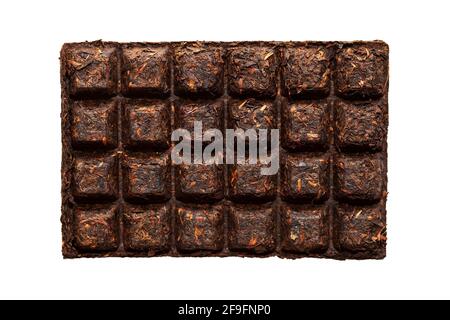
91 69
95 177
252 71
198 70
305 125
252 114
251 229
122 196
304 229
145 70
94 124
199 182
358 178
147 228
360 125
96 229
199 228
304 178
306 71
146 124
210 113
360 228
146 178
246 183
362 70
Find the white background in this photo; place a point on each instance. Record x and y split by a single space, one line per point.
417 264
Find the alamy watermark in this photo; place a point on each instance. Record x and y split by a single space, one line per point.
257 142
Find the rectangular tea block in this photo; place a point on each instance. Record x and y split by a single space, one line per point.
124 195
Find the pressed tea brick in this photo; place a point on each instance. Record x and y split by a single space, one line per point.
252 114
91 69
305 125
199 182
96 228
147 228
199 228
146 124
360 228
252 229
360 126
304 178
95 178
198 70
209 112
358 178
306 71
246 183
146 178
304 229
145 70
362 70
94 124
123 197
252 71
